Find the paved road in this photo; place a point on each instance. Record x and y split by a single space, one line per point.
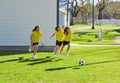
117 39
83 28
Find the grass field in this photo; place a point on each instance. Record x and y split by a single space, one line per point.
88 36
102 65
96 26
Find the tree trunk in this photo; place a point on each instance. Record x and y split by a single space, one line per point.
84 17
100 14
102 7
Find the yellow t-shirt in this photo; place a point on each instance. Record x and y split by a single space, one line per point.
68 37
36 36
59 35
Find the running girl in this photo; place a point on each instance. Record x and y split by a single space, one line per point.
67 39
59 39
34 38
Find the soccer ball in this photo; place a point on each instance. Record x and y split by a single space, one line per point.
81 62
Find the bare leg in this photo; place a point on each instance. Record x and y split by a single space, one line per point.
35 51
55 50
68 48
62 49
32 48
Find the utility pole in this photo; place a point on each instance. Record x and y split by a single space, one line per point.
67 20
93 15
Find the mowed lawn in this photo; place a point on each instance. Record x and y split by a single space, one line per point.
102 65
85 35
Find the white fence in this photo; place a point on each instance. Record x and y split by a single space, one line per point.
105 21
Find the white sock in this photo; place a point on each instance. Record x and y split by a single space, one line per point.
30 49
66 53
54 56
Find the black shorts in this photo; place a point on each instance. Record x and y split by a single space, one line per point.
35 43
66 42
59 42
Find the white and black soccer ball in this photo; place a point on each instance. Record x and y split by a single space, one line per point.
81 62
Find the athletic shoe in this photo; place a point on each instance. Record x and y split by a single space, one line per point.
30 49
67 54
34 57
54 56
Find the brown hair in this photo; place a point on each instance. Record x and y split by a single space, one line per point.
56 28
65 30
35 28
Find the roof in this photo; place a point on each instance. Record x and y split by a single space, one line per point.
63 10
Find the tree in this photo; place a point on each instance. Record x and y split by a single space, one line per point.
114 9
102 4
84 8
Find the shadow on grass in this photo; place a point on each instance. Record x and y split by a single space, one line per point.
12 60
117 30
80 33
78 67
9 53
32 61
44 61
21 60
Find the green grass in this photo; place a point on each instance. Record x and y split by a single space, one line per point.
102 65
80 25
96 26
108 26
87 36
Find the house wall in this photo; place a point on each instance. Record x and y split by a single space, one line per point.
19 17
62 19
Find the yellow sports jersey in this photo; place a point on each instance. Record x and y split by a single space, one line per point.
36 36
68 37
59 35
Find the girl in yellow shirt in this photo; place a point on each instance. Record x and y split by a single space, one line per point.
67 39
59 38
34 39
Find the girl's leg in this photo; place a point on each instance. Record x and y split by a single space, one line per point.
55 50
61 49
35 51
32 48
68 48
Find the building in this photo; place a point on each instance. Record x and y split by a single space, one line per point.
19 17
63 17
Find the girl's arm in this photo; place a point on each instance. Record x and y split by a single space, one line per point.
52 35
